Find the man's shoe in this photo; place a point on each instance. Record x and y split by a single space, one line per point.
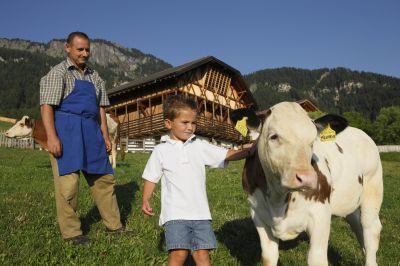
80 240
120 231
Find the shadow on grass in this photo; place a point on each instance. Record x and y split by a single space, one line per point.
123 164
125 197
335 259
242 240
44 166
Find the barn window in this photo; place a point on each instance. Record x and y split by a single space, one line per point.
217 81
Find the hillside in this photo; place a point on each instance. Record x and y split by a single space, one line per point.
23 63
335 90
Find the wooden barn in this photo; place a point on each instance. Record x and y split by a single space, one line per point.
217 87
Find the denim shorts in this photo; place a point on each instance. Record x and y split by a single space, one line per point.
189 234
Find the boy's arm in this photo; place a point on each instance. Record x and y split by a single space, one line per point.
233 155
148 189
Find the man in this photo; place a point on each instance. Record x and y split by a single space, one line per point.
72 102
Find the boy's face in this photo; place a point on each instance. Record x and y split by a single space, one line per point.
183 126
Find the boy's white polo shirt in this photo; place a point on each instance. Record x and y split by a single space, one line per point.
181 168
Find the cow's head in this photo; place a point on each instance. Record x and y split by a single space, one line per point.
22 128
285 146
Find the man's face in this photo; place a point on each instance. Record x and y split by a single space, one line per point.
183 126
78 51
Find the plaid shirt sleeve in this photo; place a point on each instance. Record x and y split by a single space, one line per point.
52 88
100 85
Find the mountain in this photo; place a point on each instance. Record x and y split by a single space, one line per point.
334 90
23 63
125 64
338 90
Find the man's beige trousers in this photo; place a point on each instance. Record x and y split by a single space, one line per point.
66 194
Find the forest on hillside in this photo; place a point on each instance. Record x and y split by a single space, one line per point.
369 100
335 90
20 74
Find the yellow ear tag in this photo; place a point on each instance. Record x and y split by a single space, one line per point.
327 134
241 126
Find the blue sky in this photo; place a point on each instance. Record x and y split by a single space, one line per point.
248 35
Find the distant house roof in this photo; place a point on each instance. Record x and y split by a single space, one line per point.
306 104
174 72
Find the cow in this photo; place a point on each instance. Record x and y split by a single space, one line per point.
27 127
296 181
113 131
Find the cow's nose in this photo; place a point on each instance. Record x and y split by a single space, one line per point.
306 180
6 134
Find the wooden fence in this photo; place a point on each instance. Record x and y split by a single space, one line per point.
389 148
128 145
27 143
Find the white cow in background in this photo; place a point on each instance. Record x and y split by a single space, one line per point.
296 182
27 127
113 131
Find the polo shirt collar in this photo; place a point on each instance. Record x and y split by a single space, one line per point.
189 140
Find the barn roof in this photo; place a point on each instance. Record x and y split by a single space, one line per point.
174 72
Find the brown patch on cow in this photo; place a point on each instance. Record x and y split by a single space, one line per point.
287 201
253 175
339 148
327 165
39 132
361 179
288 197
323 191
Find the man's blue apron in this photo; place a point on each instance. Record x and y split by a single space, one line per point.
77 126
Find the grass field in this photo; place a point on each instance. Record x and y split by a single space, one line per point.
5 125
30 235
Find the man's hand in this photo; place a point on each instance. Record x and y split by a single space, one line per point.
54 146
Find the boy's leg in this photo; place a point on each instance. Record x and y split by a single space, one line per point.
204 240
102 188
178 239
177 257
201 257
66 196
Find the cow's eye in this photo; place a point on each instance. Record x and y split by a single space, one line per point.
21 125
273 137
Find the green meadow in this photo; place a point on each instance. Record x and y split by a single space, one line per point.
30 235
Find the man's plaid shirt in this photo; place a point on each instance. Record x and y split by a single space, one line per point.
60 82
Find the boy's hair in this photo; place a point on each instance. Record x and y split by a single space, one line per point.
74 34
175 103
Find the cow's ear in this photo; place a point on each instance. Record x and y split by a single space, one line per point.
336 122
264 114
29 121
253 121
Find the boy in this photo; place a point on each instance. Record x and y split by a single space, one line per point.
180 164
